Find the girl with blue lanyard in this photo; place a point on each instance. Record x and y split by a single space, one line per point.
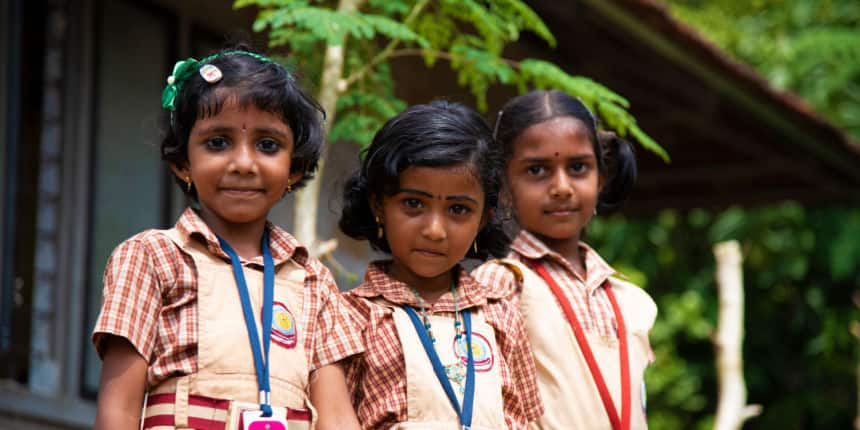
224 321
441 351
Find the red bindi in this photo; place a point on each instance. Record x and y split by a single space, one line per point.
556 154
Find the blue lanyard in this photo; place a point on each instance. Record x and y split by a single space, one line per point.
261 358
465 413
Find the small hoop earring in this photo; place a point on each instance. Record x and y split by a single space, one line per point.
475 246
187 183
379 231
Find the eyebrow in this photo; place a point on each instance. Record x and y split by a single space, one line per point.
428 195
217 129
545 159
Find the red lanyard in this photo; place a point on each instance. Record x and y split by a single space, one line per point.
617 424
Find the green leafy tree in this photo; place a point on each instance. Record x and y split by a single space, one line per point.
809 47
360 38
802 264
800 268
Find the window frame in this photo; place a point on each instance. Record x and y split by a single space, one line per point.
68 405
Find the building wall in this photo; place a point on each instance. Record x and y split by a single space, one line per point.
86 175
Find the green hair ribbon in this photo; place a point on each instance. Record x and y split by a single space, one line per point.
183 70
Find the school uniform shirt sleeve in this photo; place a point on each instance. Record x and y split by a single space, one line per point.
355 365
336 337
523 403
500 279
376 378
131 299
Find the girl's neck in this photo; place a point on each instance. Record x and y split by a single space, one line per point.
243 238
430 289
569 249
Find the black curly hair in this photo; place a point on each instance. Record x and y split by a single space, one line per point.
264 84
437 134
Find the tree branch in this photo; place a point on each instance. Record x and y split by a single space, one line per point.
385 53
389 52
445 55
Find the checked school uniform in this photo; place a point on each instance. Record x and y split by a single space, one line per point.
172 294
571 394
393 383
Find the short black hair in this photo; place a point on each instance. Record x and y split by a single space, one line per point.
615 157
268 86
437 134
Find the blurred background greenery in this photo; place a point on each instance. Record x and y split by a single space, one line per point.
802 264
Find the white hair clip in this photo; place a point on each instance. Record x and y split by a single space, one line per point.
210 73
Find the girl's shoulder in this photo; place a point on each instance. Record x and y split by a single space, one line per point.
364 296
286 247
637 304
151 243
503 276
147 258
364 304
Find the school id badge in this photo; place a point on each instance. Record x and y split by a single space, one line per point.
254 420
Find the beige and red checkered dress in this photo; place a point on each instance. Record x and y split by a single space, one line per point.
377 377
571 398
586 296
150 295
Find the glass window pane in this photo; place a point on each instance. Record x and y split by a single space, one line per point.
129 180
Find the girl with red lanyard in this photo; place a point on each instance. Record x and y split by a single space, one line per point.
588 328
224 321
441 351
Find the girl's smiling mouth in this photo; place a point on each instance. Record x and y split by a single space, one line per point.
562 211
242 192
429 253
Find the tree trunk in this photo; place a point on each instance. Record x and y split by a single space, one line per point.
305 210
732 409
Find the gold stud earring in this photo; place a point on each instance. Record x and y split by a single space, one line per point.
379 231
289 187
475 246
187 183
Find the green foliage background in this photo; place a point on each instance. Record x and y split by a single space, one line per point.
809 47
802 264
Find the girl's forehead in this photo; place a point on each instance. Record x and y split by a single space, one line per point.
556 136
214 102
442 179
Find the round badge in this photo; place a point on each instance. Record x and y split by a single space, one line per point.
482 352
283 326
210 73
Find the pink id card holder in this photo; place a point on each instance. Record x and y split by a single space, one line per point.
253 420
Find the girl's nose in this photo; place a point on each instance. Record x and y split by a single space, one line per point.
435 228
244 158
561 186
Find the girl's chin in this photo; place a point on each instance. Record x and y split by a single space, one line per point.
556 233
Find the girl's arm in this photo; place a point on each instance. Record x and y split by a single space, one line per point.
122 386
331 398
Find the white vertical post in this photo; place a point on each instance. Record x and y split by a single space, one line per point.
732 409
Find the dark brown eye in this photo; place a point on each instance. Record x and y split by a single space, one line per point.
268 146
460 209
217 143
536 170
